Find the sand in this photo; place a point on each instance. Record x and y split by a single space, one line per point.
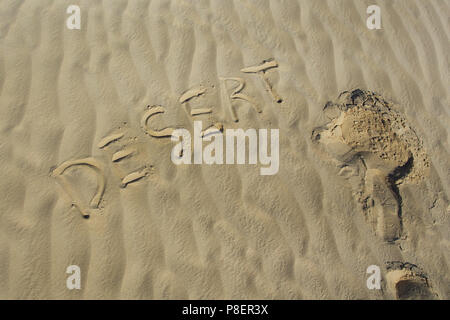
87 179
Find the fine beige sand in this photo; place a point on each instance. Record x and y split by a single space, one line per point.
87 180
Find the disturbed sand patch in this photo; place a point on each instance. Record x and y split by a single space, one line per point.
374 142
408 282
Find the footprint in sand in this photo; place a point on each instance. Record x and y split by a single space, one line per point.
366 132
408 282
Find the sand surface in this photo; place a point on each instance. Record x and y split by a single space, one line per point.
361 181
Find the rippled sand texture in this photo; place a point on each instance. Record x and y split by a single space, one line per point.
84 182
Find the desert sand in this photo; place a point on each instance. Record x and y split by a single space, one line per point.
86 175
